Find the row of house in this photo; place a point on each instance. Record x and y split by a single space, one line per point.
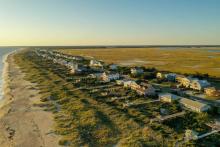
187 82
58 58
187 103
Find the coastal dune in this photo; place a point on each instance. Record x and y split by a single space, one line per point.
22 123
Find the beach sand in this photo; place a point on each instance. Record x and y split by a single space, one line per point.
21 123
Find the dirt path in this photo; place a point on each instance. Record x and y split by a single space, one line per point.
21 123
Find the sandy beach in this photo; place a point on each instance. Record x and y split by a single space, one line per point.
21 123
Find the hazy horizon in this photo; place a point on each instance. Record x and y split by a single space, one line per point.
106 23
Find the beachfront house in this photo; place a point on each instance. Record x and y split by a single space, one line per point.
170 77
128 83
74 69
199 84
95 63
107 77
211 91
142 89
194 105
96 75
160 75
168 97
137 71
120 82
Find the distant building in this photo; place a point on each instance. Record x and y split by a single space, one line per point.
95 63
160 75
136 71
168 97
96 75
170 77
113 67
75 69
128 83
110 77
199 84
211 91
194 105
142 89
191 135
120 82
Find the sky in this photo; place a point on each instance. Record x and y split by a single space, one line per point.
109 22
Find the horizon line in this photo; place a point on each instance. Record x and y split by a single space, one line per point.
112 46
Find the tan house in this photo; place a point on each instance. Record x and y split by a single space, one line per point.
194 105
168 97
211 91
142 89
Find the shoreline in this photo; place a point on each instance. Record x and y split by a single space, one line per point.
6 97
21 122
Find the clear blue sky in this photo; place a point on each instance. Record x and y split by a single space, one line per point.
108 22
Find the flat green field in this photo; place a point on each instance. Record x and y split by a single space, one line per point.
183 60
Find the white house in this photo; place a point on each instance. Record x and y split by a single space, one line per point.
75 69
110 77
168 97
194 105
96 75
95 63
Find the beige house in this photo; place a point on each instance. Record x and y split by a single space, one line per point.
191 135
194 105
211 91
168 97
185 81
142 89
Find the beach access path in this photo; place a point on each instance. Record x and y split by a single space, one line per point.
21 123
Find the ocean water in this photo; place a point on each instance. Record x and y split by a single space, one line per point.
3 52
